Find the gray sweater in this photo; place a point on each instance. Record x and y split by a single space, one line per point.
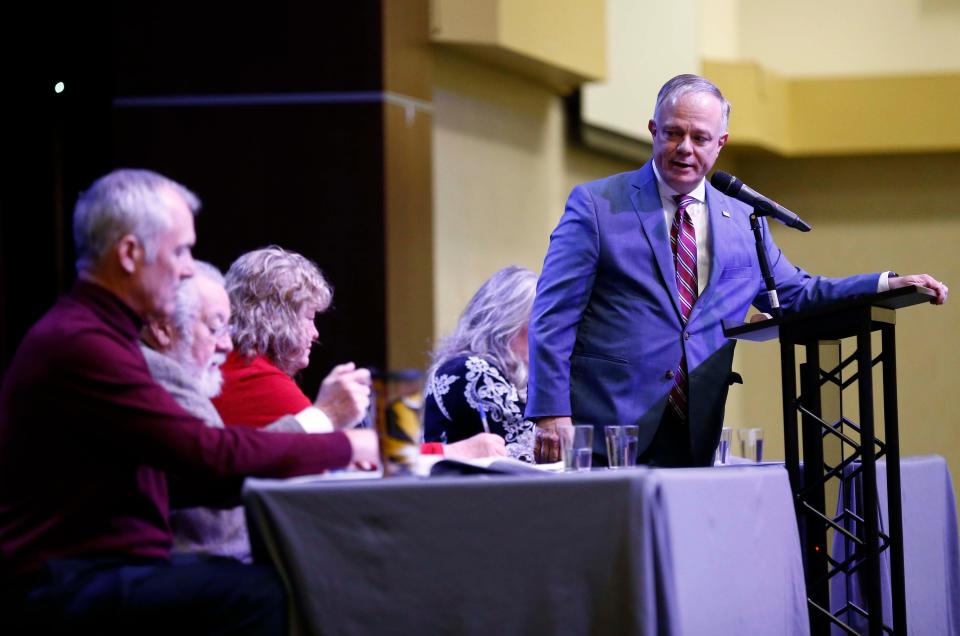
221 532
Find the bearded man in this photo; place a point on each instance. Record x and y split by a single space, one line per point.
184 352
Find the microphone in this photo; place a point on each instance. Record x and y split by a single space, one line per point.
730 185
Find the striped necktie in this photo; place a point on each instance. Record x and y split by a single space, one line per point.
683 242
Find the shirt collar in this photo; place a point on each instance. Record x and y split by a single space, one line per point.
108 306
667 193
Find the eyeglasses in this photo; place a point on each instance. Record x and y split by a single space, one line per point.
218 332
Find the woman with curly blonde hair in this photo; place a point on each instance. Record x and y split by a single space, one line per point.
275 296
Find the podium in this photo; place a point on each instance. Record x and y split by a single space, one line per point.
860 449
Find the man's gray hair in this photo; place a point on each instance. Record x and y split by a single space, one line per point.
187 309
681 85
123 202
268 288
490 321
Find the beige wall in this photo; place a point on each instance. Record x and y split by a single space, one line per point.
719 32
497 152
828 38
502 172
408 182
849 38
892 62
646 43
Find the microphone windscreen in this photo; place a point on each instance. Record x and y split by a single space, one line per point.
726 183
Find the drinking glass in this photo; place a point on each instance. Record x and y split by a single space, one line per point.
751 443
726 436
621 445
576 446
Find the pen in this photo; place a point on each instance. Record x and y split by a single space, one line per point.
483 418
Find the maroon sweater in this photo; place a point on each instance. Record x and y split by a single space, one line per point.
87 439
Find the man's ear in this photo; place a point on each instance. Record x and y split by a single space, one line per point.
158 334
129 252
722 141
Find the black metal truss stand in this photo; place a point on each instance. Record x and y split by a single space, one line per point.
858 526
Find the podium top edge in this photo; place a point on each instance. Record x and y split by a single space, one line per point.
770 329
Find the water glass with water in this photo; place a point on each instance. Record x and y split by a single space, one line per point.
576 446
751 443
723 449
621 445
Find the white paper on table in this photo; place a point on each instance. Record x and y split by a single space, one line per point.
337 475
509 462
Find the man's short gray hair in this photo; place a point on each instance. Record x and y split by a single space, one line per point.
123 202
268 288
490 321
681 85
187 309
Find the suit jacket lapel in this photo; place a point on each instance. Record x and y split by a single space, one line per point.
646 201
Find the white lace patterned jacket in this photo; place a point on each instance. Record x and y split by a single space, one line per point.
468 395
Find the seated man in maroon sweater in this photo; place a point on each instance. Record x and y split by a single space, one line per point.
92 449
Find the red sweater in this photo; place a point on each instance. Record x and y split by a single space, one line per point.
87 439
256 393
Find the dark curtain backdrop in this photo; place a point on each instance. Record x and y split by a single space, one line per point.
306 175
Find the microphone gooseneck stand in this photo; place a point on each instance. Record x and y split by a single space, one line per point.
770 284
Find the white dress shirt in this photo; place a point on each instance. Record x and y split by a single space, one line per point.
701 226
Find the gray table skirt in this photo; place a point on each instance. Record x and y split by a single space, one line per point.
639 551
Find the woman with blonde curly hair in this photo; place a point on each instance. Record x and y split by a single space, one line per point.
275 296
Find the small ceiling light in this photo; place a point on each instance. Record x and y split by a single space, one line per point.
58 87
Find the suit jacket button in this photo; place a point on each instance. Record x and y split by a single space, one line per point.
669 374
686 335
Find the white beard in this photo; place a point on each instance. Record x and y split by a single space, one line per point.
209 378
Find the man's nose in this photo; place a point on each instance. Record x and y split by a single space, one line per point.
224 342
186 267
685 144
